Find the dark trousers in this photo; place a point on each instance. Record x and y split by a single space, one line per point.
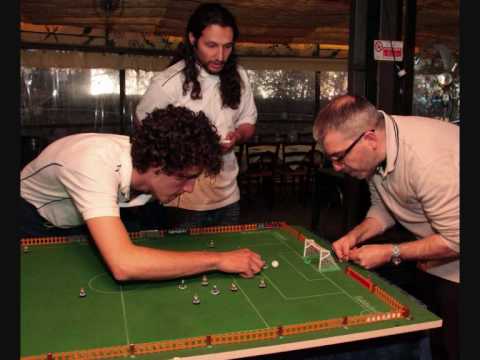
34 225
149 216
182 218
441 297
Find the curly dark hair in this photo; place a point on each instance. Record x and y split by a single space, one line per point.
230 80
176 139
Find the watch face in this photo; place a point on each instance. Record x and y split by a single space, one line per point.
396 259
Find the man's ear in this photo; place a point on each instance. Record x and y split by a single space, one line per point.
372 138
191 38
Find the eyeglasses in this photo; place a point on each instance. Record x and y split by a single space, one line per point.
344 153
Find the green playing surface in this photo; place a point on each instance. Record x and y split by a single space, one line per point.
54 318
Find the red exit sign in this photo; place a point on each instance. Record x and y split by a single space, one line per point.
388 50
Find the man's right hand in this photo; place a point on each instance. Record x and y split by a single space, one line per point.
243 261
343 246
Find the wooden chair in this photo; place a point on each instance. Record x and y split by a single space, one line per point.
240 155
261 170
296 172
328 202
268 138
305 137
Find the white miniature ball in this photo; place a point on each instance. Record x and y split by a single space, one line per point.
275 263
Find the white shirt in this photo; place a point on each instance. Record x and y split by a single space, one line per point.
80 177
166 88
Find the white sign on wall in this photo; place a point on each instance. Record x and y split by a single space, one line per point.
388 50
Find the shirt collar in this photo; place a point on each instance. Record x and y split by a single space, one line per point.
391 146
204 74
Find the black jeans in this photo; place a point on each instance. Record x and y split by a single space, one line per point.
442 298
149 216
34 225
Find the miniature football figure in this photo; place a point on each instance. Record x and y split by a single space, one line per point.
182 285
196 299
215 290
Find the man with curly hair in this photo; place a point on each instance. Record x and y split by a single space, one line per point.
204 75
86 178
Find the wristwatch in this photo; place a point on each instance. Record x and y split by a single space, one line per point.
396 258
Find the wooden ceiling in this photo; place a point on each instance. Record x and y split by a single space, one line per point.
260 21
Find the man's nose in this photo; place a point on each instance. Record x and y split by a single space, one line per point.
189 185
337 166
220 54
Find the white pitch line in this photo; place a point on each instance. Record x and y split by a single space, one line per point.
252 305
346 293
264 244
124 315
288 298
275 286
298 271
330 280
284 241
279 236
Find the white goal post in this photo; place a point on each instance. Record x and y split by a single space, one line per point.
320 257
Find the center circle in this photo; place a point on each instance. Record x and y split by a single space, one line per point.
104 283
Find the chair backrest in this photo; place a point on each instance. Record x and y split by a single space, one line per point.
239 153
305 137
267 138
299 154
262 156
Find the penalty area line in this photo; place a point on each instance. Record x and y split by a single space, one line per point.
124 315
252 305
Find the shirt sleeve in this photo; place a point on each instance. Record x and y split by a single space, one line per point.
159 94
248 110
437 188
378 210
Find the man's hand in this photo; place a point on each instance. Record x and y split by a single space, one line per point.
371 256
229 142
343 246
238 136
243 261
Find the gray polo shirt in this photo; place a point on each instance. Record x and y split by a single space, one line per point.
420 185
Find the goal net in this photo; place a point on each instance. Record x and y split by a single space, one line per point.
318 256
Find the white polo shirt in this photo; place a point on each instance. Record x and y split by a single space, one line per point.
80 177
166 88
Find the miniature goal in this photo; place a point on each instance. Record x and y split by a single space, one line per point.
318 256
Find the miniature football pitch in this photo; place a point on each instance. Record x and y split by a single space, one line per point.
55 319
